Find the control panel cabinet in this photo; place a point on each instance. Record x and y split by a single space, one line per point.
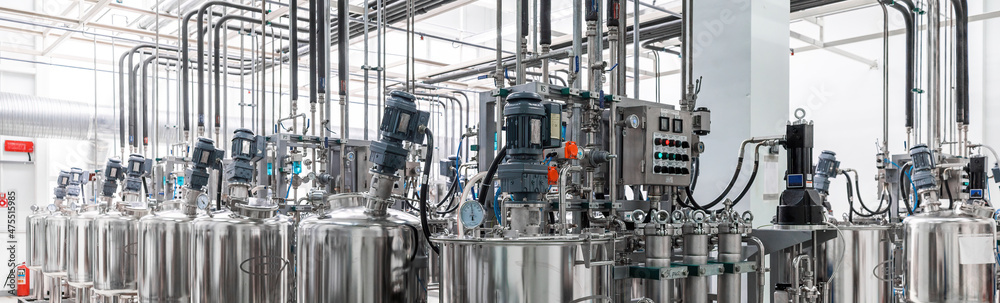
656 146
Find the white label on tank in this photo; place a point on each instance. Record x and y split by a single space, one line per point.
976 249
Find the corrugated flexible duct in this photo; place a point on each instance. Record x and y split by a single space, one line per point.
35 117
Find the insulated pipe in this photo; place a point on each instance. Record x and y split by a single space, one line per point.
962 58
217 53
201 56
911 55
468 148
454 128
545 25
121 77
342 61
145 100
293 45
934 74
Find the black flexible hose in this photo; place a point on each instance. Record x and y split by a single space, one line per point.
450 196
947 189
850 200
753 176
903 185
484 189
423 190
857 189
736 175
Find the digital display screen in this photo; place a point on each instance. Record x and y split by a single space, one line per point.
678 126
796 181
664 124
975 193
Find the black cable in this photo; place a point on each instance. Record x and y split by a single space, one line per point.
903 186
452 206
947 189
423 190
484 188
697 172
218 192
850 198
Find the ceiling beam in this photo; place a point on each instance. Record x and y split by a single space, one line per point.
86 18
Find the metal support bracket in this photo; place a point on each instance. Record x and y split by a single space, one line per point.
657 273
703 270
738 267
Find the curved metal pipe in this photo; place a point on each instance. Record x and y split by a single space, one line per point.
562 196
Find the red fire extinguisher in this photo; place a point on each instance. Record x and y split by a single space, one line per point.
23 281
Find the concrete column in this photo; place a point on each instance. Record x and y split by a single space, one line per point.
741 49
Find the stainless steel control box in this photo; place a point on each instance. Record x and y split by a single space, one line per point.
656 146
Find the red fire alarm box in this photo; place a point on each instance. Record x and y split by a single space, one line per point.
19 146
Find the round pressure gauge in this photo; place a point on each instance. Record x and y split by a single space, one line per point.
52 207
633 121
202 201
471 214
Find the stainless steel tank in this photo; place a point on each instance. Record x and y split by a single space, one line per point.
524 270
347 256
56 227
949 258
36 250
78 248
242 256
116 247
861 249
165 256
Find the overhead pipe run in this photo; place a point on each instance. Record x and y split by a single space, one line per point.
35 117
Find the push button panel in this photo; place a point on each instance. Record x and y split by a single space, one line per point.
670 154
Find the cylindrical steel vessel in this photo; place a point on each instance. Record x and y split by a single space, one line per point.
165 257
696 249
242 257
949 258
116 248
78 249
859 250
348 256
56 227
36 251
525 270
659 248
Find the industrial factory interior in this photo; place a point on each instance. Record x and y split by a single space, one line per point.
500 151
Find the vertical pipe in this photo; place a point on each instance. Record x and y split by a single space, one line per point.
574 78
934 74
545 35
521 40
366 68
499 78
293 56
635 49
885 79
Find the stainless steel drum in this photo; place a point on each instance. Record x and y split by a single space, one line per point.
242 256
862 249
165 257
525 270
949 258
78 249
36 250
116 247
56 227
347 256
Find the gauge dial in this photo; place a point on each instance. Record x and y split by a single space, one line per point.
633 121
203 201
52 207
472 214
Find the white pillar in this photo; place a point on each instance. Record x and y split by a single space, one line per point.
742 52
